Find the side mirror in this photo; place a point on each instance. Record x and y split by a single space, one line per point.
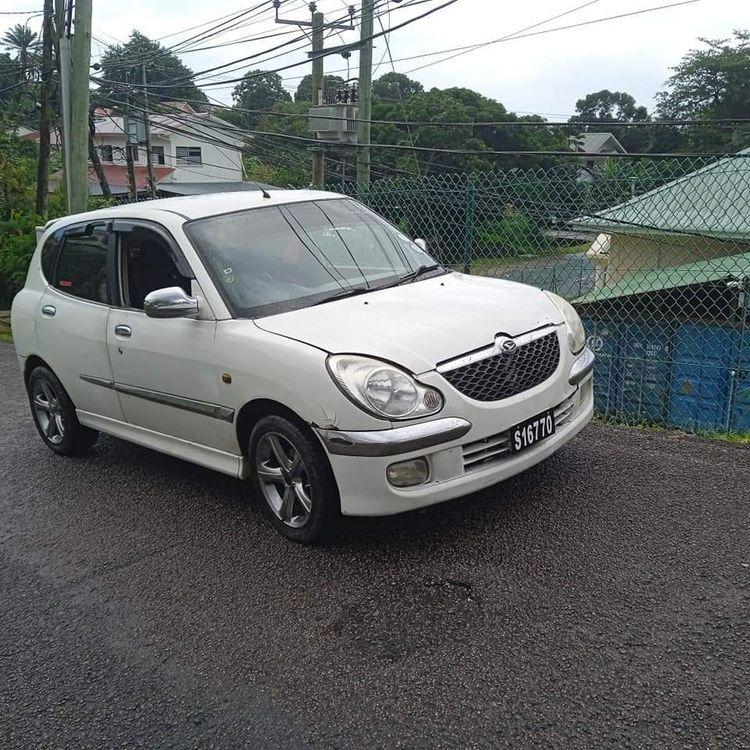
421 244
171 302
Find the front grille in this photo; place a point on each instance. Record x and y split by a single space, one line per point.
489 450
504 375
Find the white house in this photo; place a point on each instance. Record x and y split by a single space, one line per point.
187 147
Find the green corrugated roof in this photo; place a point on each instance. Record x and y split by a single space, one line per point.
713 200
670 277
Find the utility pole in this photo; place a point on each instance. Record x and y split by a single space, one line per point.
365 95
74 60
318 26
78 121
130 140
318 153
147 130
62 28
45 114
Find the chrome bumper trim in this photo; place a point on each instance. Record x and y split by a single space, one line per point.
582 366
397 440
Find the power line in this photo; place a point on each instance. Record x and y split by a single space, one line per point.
483 152
472 48
239 63
576 124
325 53
202 36
521 31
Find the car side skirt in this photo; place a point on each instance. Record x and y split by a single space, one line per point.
227 463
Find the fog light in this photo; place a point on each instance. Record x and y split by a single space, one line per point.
408 473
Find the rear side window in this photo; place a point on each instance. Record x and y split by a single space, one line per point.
82 266
49 256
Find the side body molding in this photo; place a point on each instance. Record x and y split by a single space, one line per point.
207 409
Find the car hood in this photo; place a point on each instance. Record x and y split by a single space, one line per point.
421 324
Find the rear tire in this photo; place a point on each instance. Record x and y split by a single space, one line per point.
55 415
293 481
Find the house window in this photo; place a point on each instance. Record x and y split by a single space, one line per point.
189 155
105 153
157 154
134 151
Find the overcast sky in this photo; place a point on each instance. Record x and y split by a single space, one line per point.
544 74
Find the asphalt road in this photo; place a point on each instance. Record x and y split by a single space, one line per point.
601 599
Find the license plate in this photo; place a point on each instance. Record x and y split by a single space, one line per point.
530 432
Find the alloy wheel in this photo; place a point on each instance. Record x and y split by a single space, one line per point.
284 479
48 410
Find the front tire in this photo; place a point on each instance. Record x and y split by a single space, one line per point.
293 481
55 415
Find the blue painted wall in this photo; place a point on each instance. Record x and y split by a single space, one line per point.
689 375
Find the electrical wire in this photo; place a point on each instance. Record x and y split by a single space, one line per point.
471 47
481 152
576 124
322 54
520 35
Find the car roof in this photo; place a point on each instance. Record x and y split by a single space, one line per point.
197 206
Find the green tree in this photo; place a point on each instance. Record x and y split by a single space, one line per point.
25 43
395 87
258 90
168 78
609 107
712 82
289 159
456 105
10 76
304 89
440 106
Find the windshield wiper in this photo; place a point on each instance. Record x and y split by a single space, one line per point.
421 271
351 292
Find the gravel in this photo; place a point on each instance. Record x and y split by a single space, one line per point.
600 599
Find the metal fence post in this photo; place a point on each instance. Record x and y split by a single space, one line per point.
469 228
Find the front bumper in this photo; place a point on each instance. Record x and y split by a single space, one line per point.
454 472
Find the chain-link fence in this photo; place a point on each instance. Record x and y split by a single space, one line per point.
654 254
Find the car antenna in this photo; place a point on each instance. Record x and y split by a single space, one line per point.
265 192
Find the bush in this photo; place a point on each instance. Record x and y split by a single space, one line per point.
17 243
513 235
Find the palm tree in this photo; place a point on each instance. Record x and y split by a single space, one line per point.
25 43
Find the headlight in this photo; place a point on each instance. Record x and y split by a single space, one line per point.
576 332
383 389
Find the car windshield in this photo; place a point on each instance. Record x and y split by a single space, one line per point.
270 260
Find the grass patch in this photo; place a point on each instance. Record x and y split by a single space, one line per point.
483 266
737 438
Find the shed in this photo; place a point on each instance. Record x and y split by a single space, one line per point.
702 215
673 344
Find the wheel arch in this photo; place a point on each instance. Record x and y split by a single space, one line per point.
253 411
33 361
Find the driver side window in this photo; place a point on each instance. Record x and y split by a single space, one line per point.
145 265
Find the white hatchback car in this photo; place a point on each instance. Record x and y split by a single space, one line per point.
298 340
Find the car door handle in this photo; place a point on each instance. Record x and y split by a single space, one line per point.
123 330
49 311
